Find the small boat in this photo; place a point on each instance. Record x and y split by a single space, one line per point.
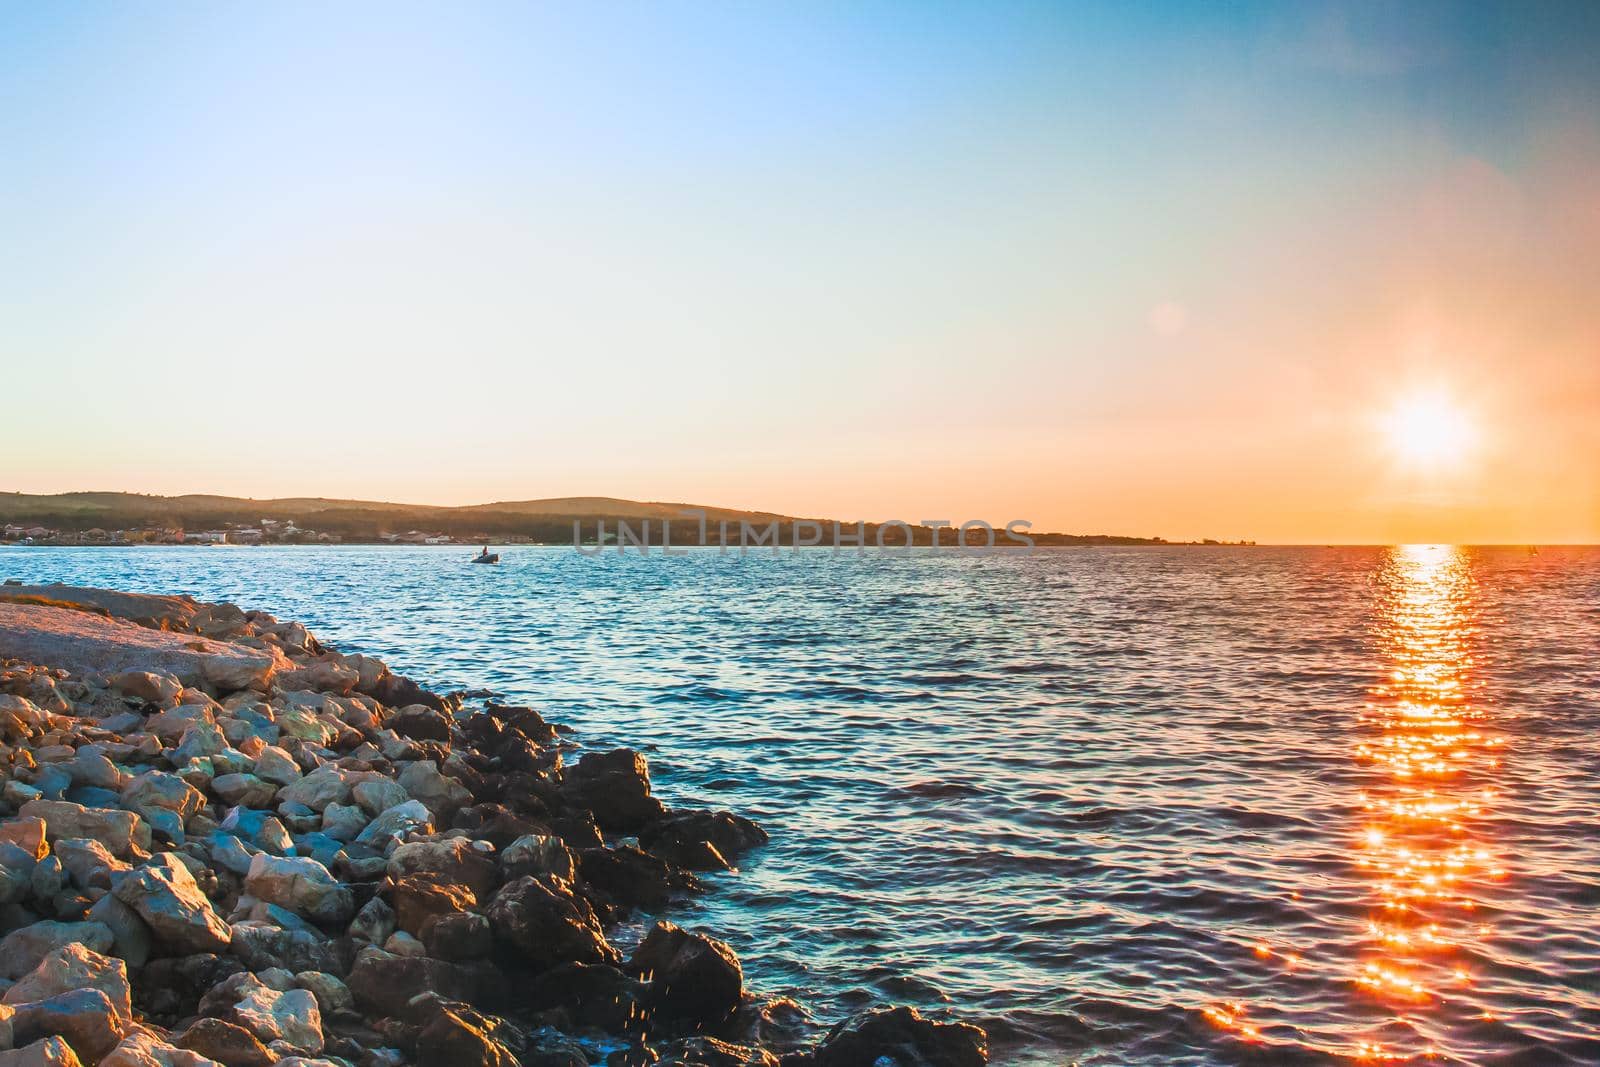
486 556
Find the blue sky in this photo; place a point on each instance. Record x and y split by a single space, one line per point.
1106 266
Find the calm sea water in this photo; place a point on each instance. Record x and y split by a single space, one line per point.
1122 806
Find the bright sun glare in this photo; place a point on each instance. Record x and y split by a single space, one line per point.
1430 430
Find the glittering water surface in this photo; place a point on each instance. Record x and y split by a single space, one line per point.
1123 806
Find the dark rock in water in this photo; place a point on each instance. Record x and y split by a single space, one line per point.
417 898
633 1056
591 995
709 1052
547 1047
701 840
628 878
524 722
615 786
692 977
460 1037
227 1043
462 936
496 824
385 984
421 723
547 924
398 692
905 1038
578 829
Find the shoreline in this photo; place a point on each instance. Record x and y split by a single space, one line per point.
223 842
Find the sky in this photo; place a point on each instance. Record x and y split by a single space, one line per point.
1154 269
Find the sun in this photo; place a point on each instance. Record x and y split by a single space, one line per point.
1430 430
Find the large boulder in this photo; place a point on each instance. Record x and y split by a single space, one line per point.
384 983
167 898
615 786
902 1036
290 1016
122 832
74 966
461 1037
701 840
420 897
85 643
691 976
86 1018
456 859
24 949
143 1049
302 885
547 924
50 1052
227 1043
538 854
442 795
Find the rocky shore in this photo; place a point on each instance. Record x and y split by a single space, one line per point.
224 843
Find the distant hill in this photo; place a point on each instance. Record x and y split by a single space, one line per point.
549 520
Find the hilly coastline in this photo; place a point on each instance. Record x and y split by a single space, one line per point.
112 517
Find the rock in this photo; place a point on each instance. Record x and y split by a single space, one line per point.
421 723
27 833
691 976
302 885
291 1017
85 643
343 822
459 1037
86 1018
373 923
156 790
275 765
260 945
120 831
462 936
614 785
710 1052
87 863
22 950
167 898
92 768
630 878
143 1049
16 873
401 943
245 789
412 817
591 995
159 689
442 795
47 879
333 996
325 785
538 854
548 924
902 1036
51 1052
456 859
701 840
75 967
227 1043
198 741
385 984
377 795
420 897
130 935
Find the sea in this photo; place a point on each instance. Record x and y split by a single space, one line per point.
1119 806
